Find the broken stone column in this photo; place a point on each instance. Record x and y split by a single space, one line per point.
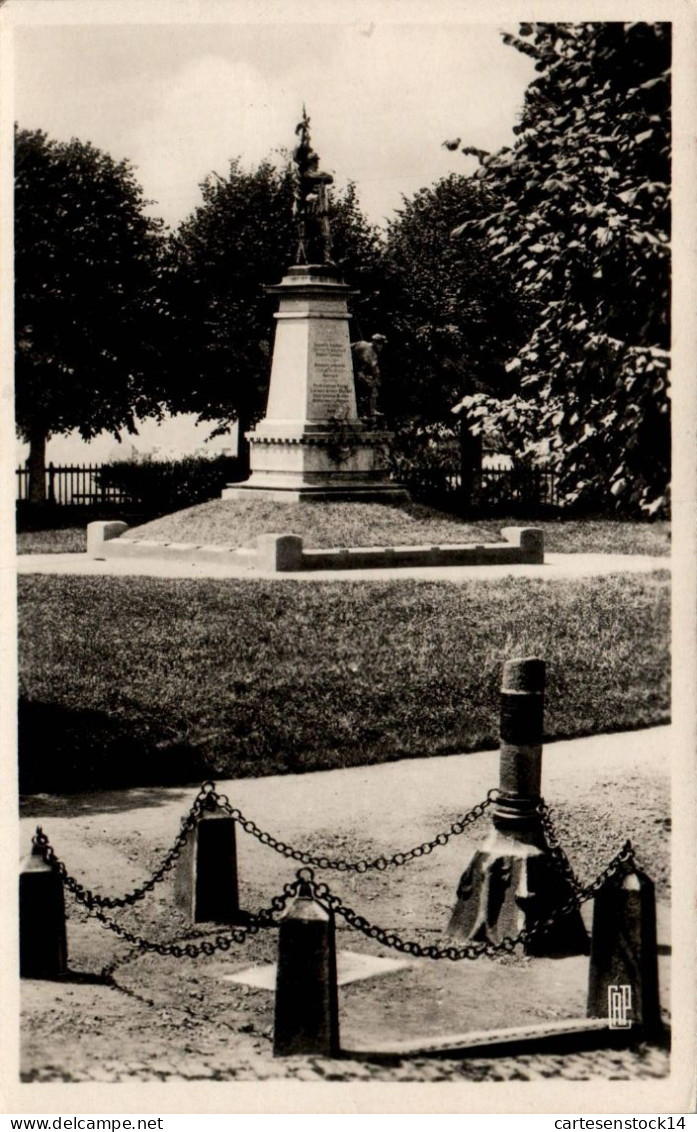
513 880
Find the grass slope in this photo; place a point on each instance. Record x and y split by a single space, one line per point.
238 522
137 680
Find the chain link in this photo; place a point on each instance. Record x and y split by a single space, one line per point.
581 895
209 799
223 941
264 918
380 863
204 800
475 948
559 857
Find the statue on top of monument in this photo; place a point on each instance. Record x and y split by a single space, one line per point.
311 204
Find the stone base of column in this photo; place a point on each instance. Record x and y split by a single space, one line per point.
355 493
308 462
510 884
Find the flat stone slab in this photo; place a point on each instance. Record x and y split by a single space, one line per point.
444 1005
572 1033
351 966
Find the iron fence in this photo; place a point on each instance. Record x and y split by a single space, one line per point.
81 485
75 485
500 485
494 487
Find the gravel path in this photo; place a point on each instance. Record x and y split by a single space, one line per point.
557 567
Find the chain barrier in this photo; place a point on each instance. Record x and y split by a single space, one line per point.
264 918
209 799
205 799
476 948
559 857
380 863
223 941
581 895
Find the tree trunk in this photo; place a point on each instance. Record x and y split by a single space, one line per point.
36 462
243 426
470 460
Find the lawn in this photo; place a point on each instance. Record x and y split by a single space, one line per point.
238 522
138 680
64 540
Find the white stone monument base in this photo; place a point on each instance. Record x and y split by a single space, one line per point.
317 463
316 493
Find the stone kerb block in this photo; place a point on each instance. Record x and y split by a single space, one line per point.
531 541
279 553
103 531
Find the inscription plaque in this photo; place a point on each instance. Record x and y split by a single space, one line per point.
331 376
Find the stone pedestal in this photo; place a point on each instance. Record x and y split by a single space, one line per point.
513 881
311 443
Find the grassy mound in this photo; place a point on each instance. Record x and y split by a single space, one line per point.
198 678
238 522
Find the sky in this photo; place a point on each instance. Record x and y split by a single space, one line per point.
181 99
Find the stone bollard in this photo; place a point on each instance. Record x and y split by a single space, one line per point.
205 883
531 541
100 532
43 947
513 881
623 972
306 1019
280 553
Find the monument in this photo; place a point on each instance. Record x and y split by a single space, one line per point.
312 444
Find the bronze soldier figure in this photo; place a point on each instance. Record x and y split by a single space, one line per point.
311 205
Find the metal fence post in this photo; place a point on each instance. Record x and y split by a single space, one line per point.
51 483
306 1018
43 947
623 970
206 874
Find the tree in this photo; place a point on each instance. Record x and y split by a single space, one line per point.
451 319
581 221
240 239
88 321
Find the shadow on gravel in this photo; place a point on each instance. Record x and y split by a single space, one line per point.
84 977
64 752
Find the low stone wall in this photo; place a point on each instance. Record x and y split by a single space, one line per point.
285 553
